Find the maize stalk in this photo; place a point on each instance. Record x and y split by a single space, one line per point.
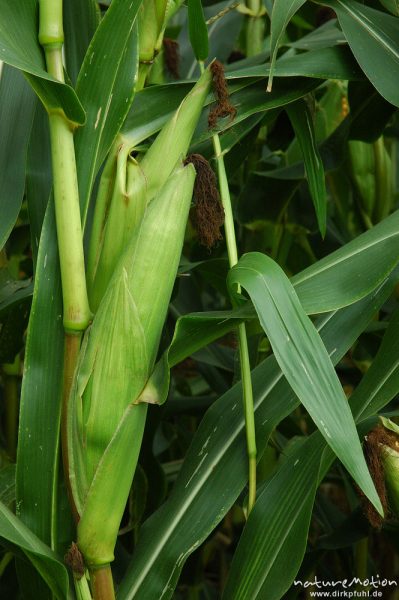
66 196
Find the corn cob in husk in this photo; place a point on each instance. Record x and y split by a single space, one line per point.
371 171
112 385
117 359
126 201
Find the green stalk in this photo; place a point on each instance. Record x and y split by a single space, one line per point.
66 195
102 584
70 244
255 27
242 334
361 560
82 588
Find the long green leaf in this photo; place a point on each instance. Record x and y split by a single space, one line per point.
328 63
302 123
106 88
325 286
330 284
40 408
249 577
17 104
380 384
20 48
214 471
154 105
38 187
197 29
38 176
81 19
282 13
374 40
304 360
41 556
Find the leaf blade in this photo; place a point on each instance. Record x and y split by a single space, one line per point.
304 360
302 122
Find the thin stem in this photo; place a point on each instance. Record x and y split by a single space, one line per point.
255 28
82 588
242 334
225 197
5 561
361 559
102 584
66 194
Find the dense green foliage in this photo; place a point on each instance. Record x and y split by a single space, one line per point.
303 307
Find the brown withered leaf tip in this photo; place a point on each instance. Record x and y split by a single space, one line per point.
223 106
207 216
74 560
378 437
171 55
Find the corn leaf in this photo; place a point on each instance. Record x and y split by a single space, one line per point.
380 384
392 6
301 119
304 360
272 575
373 37
41 556
17 104
81 19
325 286
105 86
20 48
329 63
217 457
38 176
249 576
372 256
198 30
154 105
281 15
40 405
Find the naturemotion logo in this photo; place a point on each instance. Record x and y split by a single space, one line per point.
372 587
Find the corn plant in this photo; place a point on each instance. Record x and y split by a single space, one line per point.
198 299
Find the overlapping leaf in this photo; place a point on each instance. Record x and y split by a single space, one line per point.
374 40
20 48
215 468
105 86
304 360
45 561
302 123
280 17
290 485
17 103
